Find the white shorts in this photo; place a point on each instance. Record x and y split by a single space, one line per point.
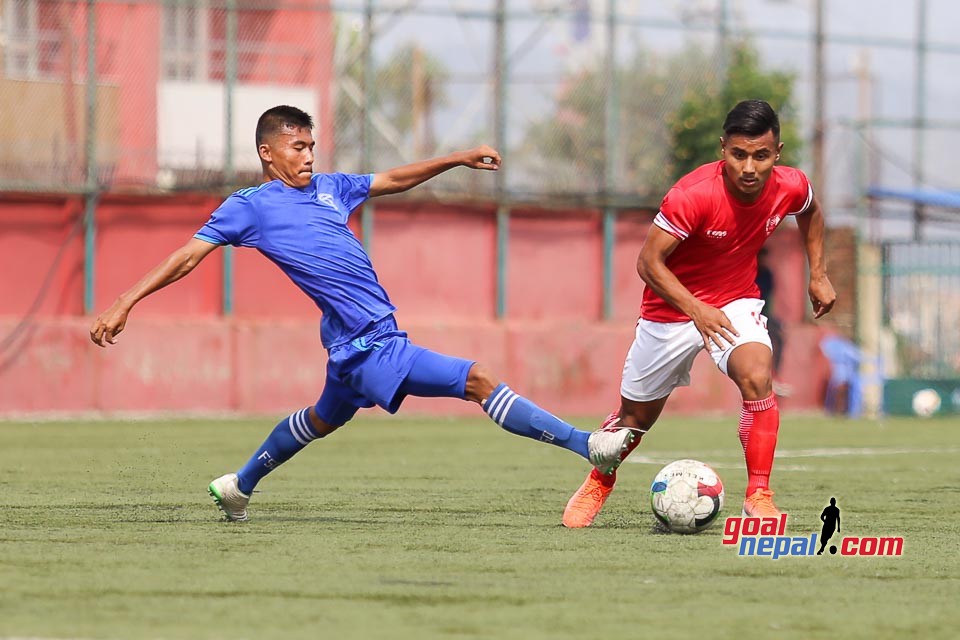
662 353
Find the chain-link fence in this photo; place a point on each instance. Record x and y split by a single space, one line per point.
588 100
583 96
921 297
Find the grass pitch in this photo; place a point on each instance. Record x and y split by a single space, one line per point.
400 528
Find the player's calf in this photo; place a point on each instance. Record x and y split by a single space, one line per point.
291 434
519 416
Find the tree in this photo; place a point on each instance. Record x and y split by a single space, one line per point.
566 150
406 91
669 121
695 125
410 88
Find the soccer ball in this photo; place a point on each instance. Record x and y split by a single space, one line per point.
926 402
686 496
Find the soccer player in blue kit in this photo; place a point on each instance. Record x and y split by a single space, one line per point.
298 220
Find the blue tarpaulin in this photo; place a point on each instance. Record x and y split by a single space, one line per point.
930 197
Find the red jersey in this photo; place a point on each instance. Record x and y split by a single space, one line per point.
721 236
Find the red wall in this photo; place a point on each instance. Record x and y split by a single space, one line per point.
41 243
437 261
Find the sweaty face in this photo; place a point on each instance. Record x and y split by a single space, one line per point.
288 156
748 163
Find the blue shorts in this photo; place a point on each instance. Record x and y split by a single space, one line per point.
382 367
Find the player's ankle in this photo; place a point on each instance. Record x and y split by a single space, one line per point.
605 479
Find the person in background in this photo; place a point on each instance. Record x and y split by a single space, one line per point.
766 282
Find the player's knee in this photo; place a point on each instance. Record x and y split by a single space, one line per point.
321 427
640 420
480 384
754 383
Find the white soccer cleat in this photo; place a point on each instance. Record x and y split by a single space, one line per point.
230 500
608 447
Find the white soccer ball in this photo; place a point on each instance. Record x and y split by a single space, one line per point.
686 496
926 402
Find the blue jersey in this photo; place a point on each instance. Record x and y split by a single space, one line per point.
305 233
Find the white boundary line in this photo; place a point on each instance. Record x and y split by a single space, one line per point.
787 454
859 451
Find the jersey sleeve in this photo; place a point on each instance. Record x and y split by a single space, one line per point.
801 193
234 222
353 188
677 215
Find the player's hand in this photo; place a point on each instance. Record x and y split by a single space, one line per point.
822 295
482 157
108 324
714 327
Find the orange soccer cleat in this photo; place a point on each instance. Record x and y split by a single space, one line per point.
759 504
586 503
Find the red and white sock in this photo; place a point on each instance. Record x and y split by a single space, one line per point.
759 424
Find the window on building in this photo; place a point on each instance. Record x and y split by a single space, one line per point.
21 39
32 39
184 54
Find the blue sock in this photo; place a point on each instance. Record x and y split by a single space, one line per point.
518 415
287 438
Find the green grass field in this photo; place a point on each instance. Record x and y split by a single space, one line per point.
400 528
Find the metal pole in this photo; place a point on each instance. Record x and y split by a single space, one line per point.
91 191
419 81
864 148
230 81
723 35
366 129
500 137
920 93
860 153
819 101
611 135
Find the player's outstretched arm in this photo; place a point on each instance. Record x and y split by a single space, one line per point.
408 176
821 292
178 264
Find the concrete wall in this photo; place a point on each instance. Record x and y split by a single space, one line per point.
438 263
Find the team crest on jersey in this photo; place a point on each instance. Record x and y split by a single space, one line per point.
327 199
773 222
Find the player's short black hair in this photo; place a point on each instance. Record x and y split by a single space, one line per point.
276 118
752 118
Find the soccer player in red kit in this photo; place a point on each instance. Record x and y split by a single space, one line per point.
699 263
